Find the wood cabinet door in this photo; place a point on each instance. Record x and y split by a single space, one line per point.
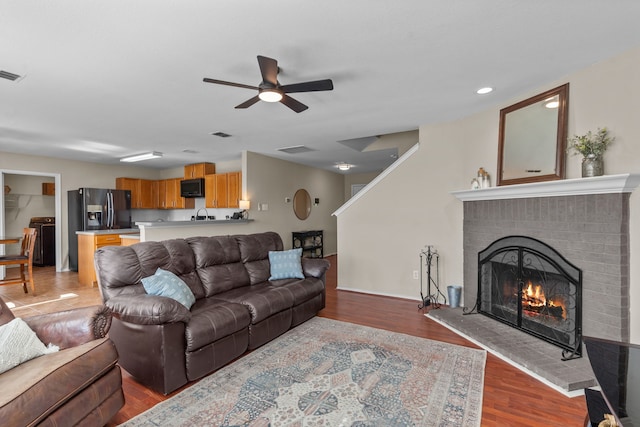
199 170
148 194
162 193
133 185
209 191
234 189
172 193
221 191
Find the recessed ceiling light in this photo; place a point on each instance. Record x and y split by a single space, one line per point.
484 90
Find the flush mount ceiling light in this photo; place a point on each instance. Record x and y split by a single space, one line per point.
140 157
344 166
484 90
270 95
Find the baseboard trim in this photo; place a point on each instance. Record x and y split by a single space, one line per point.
382 294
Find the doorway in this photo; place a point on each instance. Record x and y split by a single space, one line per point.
24 199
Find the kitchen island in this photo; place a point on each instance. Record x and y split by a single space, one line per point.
88 242
164 230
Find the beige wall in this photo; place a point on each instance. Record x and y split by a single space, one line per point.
269 181
394 231
356 178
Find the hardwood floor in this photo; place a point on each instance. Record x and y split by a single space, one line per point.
511 397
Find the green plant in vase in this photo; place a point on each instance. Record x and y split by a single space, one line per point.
592 147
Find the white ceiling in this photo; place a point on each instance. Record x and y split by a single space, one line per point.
105 79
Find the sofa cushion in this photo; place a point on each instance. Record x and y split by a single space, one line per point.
212 320
254 253
302 290
44 383
18 344
166 284
286 264
120 269
218 263
262 301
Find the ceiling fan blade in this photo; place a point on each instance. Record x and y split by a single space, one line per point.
314 86
268 69
222 82
249 102
296 106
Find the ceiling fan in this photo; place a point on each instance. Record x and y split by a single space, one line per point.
270 89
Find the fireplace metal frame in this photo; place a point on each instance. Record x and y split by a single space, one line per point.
537 248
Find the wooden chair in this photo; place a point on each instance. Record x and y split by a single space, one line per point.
24 260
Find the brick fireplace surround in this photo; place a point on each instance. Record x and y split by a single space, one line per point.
587 221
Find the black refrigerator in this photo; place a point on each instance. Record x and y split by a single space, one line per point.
96 209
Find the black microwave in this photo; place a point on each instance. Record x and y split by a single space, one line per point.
192 187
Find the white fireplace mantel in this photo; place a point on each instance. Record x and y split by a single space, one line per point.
623 183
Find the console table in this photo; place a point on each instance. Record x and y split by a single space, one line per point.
310 242
616 366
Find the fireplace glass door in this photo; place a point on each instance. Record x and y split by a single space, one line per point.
530 286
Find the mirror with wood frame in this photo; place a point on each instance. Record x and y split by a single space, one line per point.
531 145
302 204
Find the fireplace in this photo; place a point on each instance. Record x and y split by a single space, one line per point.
530 286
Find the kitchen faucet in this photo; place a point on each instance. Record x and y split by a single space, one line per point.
206 214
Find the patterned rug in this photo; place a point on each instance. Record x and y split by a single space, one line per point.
330 373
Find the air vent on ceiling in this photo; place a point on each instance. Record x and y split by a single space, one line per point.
221 134
296 149
9 76
190 151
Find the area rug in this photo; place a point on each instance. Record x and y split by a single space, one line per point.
330 373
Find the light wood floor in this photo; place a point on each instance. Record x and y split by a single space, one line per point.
511 397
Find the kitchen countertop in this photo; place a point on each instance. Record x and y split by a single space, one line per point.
130 236
155 224
112 231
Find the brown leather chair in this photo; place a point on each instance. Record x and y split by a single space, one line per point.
24 260
79 385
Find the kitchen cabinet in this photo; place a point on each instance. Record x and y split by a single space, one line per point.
222 190
142 195
234 189
172 199
48 189
199 170
87 246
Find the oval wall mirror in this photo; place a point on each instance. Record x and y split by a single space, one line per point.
531 145
302 204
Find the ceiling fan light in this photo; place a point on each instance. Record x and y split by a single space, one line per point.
270 95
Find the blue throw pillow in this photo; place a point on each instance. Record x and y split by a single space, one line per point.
166 284
286 264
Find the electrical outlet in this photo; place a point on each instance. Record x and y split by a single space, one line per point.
415 274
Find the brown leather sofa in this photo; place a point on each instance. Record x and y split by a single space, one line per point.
162 343
80 385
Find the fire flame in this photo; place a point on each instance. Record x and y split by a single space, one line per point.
534 299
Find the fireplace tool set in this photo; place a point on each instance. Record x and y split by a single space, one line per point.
427 257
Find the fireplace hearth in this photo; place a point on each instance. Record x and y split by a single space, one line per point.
530 286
